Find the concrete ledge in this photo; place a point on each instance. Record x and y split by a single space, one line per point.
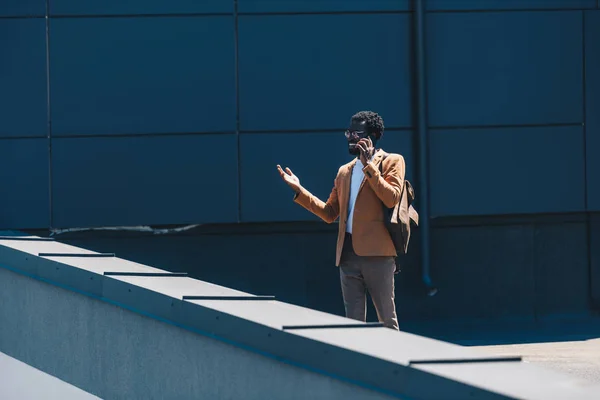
377 362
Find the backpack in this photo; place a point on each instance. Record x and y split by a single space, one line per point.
398 219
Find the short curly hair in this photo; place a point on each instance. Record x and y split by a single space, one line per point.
373 121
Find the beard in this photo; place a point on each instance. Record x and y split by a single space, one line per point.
353 148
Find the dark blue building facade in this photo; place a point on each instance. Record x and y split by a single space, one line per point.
170 113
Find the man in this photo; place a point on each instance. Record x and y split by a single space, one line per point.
365 252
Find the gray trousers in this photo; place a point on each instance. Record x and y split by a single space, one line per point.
375 274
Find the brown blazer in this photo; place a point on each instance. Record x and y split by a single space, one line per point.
370 236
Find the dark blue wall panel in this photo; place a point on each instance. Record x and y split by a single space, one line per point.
505 68
595 259
506 270
505 171
134 7
23 95
561 268
17 8
304 72
260 6
592 40
144 180
508 4
482 272
142 75
314 157
24 183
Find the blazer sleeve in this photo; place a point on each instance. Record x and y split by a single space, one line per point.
328 211
388 187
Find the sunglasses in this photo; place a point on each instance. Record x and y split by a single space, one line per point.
355 134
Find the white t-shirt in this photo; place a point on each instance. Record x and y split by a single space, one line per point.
355 182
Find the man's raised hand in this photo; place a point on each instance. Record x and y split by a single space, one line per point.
289 178
365 146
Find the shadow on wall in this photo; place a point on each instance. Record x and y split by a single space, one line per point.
295 266
503 270
507 332
294 262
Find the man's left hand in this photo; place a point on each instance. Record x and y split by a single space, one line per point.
366 150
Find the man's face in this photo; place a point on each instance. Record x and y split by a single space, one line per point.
356 131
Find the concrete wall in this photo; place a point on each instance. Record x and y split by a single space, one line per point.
117 354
